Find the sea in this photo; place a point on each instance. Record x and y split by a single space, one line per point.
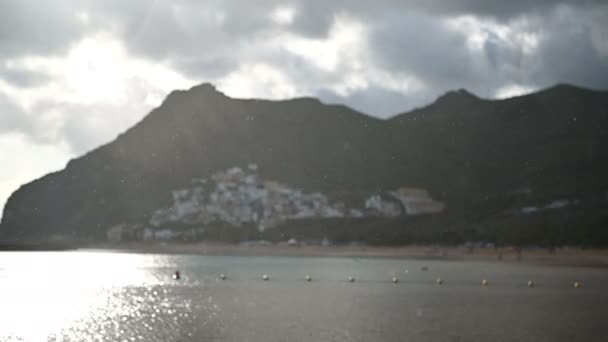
113 296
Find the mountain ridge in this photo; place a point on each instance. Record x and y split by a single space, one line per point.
465 150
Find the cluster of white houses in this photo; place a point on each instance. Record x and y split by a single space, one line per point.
138 232
239 196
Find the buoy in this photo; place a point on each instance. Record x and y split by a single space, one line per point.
222 276
265 277
176 275
351 279
308 278
395 280
577 284
439 281
484 282
530 283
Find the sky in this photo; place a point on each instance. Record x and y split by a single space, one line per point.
74 74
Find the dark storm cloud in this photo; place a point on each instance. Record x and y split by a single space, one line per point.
165 28
207 40
188 29
564 53
160 27
569 55
417 44
315 17
34 27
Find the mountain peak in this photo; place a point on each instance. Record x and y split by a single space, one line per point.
200 91
205 88
457 95
563 88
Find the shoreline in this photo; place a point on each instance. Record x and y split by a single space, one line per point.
566 256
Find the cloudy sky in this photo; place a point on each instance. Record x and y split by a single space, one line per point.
75 73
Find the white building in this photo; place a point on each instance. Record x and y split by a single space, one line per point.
382 207
417 201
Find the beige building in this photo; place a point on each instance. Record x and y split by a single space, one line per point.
417 201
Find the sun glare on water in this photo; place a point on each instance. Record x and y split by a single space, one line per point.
45 294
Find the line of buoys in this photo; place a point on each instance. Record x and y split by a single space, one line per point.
351 279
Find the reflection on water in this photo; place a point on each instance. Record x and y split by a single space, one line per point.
102 296
68 296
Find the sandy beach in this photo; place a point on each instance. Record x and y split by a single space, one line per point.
567 256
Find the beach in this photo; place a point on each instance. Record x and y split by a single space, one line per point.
572 256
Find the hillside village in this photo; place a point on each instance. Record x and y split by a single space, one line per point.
239 196
387 172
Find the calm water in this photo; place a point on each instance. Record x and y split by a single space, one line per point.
102 296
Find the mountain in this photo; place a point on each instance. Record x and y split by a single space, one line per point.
529 161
